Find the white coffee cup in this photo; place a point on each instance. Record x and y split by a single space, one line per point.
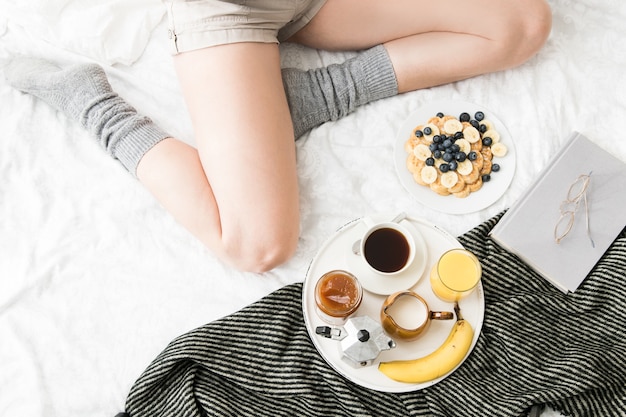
388 248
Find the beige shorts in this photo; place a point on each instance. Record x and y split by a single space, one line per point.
196 24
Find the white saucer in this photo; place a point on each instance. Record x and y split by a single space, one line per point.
387 284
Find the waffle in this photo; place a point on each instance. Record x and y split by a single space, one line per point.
454 157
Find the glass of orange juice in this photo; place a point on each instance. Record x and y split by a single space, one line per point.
455 275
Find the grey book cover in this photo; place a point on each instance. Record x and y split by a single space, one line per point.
528 227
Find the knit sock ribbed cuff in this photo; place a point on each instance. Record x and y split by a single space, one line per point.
136 142
378 73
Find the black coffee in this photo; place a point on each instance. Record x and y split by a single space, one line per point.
386 250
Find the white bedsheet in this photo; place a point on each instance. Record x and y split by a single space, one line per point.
96 278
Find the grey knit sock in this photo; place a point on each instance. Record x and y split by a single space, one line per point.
329 93
84 94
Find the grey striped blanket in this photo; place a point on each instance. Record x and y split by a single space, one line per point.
537 346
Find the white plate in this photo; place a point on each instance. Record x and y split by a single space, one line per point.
332 256
385 284
489 193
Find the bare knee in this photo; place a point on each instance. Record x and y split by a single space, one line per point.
527 31
258 253
536 26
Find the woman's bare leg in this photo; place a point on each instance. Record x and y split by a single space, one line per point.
238 193
432 43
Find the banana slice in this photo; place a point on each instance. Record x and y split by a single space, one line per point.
499 149
464 145
471 134
465 167
488 124
434 131
422 152
449 179
493 134
429 174
452 126
458 187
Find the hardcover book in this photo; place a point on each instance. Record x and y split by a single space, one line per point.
570 215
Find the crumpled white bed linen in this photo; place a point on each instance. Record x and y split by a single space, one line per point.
96 278
106 31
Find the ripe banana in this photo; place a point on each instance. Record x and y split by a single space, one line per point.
436 364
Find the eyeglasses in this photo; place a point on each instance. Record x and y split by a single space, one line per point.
568 208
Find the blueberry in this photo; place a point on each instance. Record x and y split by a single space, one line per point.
437 139
461 156
432 147
479 116
453 165
482 129
427 130
472 156
475 123
419 133
458 135
455 148
495 167
441 147
447 143
448 157
487 141
444 167
464 117
430 161
437 154
440 115
486 178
